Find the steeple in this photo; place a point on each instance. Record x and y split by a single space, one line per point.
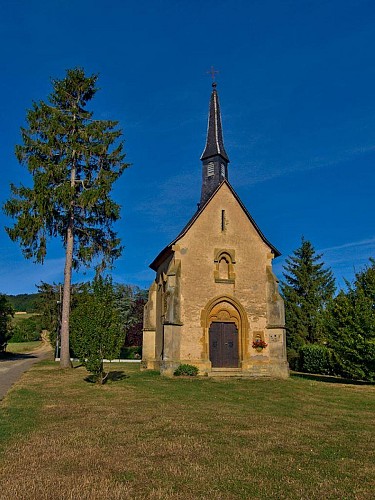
214 157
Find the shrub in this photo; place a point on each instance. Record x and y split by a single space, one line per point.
186 370
27 330
6 314
133 352
95 326
316 358
293 359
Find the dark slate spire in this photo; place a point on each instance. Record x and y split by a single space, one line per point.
214 141
214 157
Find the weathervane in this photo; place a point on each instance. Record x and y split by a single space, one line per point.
212 71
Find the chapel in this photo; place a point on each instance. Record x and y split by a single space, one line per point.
215 302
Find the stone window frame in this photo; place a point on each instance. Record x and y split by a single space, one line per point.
229 255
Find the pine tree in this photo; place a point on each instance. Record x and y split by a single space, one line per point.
307 288
74 160
350 324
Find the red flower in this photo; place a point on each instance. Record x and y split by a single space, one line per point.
259 343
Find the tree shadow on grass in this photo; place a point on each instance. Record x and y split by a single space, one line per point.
330 379
10 356
114 376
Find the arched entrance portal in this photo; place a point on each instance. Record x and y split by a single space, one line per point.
225 327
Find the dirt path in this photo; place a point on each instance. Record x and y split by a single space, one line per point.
12 367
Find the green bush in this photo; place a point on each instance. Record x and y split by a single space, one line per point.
186 370
293 359
6 314
27 330
95 327
316 358
134 352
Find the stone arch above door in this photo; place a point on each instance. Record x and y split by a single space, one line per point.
224 312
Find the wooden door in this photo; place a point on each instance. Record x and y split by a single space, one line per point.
223 339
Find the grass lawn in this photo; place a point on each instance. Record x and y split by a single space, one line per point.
19 317
23 347
142 436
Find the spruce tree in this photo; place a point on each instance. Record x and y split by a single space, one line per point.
74 161
307 288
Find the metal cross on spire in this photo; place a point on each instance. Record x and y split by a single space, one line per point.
212 71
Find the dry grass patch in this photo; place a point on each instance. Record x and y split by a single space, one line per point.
150 437
23 347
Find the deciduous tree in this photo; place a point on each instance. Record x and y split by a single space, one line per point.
97 330
6 314
131 301
74 161
49 304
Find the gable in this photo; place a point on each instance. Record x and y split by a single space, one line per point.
225 194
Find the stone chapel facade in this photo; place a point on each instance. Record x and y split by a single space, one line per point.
215 302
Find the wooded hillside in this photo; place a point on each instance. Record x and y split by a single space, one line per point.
24 302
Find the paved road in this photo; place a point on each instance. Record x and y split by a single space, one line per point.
11 368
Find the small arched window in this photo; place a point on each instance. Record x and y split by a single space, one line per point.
224 266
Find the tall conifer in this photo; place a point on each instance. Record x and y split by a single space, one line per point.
307 288
74 160
350 324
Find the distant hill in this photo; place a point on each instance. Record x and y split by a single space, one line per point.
24 302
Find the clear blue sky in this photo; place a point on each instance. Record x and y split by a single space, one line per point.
297 93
